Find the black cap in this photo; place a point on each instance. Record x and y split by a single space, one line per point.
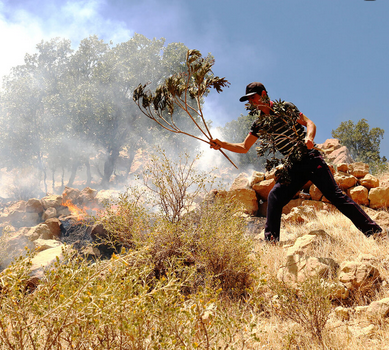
252 89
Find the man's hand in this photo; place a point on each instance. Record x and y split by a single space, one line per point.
215 144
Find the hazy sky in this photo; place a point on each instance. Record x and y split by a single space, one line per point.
329 57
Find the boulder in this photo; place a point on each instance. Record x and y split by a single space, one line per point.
315 193
359 277
359 194
263 188
51 201
379 197
87 196
359 169
54 226
344 180
378 309
297 269
70 194
49 213
44 260
43 244
369 181
256 177
343 167
245 195
34 205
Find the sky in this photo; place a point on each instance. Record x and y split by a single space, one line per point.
330 58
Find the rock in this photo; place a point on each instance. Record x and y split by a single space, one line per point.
54 226
369 181
292 204
340 155
315 193
378 309
342 167
344 180
34 205
359 169
263 188
51 201
49 213
256 177
294 217
19 206
342 313
105 196
241 191
39 231
379 197
87 196
297 269
44 260
359 194
43 244
70 194
359 276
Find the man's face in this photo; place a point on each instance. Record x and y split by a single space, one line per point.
257 100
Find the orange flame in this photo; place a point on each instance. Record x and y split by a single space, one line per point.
77 212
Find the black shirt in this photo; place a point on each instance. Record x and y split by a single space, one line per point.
285 135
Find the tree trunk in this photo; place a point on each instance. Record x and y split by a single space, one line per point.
73 173
109 166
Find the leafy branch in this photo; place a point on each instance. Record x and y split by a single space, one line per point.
269 138
184 91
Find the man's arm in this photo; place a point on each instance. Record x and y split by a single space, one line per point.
242 147
311 130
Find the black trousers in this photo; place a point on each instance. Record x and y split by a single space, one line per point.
314 168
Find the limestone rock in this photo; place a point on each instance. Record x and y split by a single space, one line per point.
245 195
51 201
378 309
34 205
256 177
263 188
315 193
379 197
54 226
87 196
343 167
359 276
43 244
299 269
344 180
70 194
44 260
359 169
359 194
49 213
369 181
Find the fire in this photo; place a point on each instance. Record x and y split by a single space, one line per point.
79 213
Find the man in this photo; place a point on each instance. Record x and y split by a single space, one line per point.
311 167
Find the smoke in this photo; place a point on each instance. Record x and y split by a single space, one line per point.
30 24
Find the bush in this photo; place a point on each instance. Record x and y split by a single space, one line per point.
113 304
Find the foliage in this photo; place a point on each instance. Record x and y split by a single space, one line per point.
64 109
308 304
362 142
269 138
123 303
175 184
185 92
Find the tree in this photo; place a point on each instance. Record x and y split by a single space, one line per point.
63 108
362 142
